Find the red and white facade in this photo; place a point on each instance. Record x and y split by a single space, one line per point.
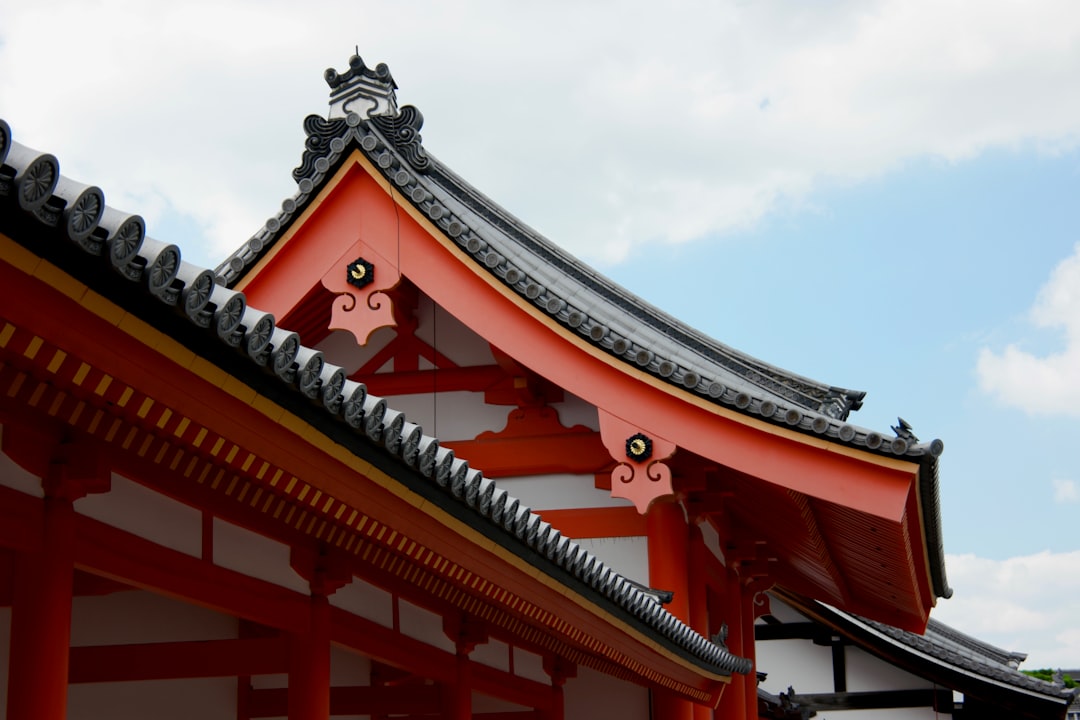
248 499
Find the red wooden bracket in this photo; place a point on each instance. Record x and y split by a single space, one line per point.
362 310
641 475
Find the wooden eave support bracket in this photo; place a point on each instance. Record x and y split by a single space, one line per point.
465 631
640 475
68 469
360 280
559 670
325 572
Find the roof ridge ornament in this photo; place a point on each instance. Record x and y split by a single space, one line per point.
361 90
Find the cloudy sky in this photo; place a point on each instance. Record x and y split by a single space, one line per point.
879 194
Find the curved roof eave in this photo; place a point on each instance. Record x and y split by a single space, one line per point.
33 194
941 645
586 302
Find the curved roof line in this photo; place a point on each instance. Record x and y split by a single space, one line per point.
33 191
584 301
943 645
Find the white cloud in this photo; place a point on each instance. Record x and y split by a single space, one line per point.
1066 491
1029 604
1042 384
624 127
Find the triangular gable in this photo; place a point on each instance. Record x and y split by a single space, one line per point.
775 464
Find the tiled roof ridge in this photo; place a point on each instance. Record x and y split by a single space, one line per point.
31 186
392 142
975 645
756 393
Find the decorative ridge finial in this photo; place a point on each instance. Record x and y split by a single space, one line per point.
361 90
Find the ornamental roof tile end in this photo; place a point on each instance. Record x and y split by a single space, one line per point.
110 251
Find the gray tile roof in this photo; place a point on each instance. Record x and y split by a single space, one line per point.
574 294
943 646
950 646
69 224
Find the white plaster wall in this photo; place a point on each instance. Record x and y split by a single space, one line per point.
252 554
449 336
884 714
800 663
560 492
206 699
146 513
530 665
423 625
628 556
711 539
866 672
784 612
340 348
141 617
367 601
592 696
485 704
13 476
451 415
137 616
493 653
463 415
575 411
348 669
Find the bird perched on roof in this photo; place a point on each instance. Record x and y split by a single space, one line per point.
902 428
720 638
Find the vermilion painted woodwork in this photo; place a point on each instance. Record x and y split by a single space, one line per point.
534 442
642 480
177 660
726 603
361 310
41 619
668 570
800 463
876 487
748 615
358 206
309 664
357 700
452 379
290 445
698 597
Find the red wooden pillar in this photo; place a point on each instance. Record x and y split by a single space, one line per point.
699 601
309 650
467 632
668 538
309 665
44 575
733 701
559 670
41 620
751 589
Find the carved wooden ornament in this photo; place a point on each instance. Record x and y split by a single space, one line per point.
360 279
641 475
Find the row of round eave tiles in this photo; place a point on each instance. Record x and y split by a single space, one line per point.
192 291
597 332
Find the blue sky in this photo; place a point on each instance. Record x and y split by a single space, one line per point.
880 195
894 286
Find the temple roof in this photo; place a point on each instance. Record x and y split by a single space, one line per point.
626 327
954 659
69 224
